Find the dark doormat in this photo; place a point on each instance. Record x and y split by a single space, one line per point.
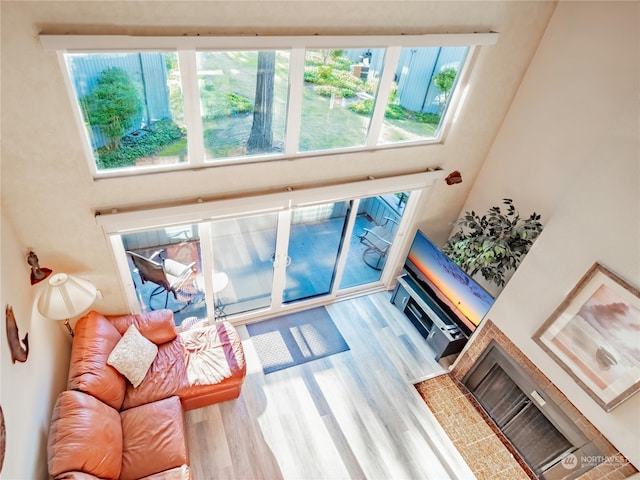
296 338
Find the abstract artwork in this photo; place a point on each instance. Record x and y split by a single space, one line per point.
594 335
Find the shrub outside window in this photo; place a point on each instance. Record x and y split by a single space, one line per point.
132 107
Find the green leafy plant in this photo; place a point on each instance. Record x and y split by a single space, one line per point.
325 76
141 143
362 107
113 105
444 80
218 103
394 111
494 243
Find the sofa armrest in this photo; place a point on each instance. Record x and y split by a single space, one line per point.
158 325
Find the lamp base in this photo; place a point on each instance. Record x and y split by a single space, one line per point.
68 325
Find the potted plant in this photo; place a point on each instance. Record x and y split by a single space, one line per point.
494 243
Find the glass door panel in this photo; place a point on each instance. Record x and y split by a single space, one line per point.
166 269
315 241
243 252
375 229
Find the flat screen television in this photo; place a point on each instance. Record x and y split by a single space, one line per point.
455 291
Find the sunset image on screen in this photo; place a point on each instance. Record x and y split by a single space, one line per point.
464 293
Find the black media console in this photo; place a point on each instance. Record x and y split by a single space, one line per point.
440 331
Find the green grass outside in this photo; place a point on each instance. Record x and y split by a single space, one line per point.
175 149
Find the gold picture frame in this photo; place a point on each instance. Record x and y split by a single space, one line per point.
594 335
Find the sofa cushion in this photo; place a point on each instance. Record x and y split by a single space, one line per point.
85 435
133 355
95 338
153 438
158 325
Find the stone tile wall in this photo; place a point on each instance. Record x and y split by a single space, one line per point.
487 457
486 451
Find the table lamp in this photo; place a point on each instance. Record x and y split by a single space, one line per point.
65 297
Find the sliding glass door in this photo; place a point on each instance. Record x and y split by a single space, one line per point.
265 262
315 240
375 225
166 268
243 254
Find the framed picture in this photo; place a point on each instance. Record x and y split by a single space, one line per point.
594 335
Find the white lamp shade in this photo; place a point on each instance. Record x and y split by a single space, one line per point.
66 296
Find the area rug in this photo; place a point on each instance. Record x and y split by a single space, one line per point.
295 339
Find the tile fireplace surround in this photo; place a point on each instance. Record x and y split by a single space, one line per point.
483 447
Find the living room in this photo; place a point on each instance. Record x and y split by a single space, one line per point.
550 119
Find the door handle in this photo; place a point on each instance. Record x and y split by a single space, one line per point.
287 260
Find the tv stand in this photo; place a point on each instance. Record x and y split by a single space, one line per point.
441 333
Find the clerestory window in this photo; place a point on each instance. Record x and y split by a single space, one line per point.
146 109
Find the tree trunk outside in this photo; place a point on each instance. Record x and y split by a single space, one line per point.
261 137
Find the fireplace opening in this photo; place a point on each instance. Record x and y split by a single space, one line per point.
542 434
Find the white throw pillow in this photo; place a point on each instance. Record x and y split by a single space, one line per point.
133 355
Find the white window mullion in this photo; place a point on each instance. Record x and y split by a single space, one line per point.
296 90
344 251
191 99
206 255
401 241
281 260
391 57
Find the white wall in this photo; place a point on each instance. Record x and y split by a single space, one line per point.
28 390
569 147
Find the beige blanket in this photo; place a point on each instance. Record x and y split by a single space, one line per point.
206 357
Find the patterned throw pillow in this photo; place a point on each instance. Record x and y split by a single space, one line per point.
133 355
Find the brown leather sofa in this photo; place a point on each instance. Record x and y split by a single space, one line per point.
104 427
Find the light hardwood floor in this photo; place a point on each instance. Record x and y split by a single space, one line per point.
355 414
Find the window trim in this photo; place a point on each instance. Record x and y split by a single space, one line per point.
187 46
118 222
126 219
124 43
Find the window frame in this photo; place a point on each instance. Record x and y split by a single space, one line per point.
116 222
187 46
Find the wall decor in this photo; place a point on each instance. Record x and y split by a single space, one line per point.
37 273
3 439
18 352
594 335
